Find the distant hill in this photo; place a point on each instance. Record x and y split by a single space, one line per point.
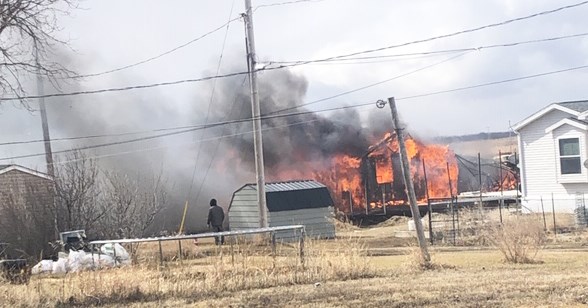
473 137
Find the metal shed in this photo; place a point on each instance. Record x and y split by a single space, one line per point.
306 202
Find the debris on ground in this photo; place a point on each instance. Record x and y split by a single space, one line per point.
78 260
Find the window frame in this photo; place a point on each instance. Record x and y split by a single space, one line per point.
560 156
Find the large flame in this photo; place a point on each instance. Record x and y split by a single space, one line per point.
375 180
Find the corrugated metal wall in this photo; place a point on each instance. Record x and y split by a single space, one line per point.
244 214
316 220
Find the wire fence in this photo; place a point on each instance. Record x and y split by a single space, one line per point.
461 224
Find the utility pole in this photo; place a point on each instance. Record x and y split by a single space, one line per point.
258 148
414 209
45 125
46 138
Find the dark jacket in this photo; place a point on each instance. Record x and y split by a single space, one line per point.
216 216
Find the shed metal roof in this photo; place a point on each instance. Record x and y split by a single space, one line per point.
289 185
294 195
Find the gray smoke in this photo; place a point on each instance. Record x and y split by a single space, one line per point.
224 161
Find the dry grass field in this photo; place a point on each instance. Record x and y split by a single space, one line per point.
363 268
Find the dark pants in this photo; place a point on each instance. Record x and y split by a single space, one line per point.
219 240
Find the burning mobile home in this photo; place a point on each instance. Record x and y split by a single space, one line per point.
379 175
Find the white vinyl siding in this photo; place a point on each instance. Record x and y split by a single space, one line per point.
540 165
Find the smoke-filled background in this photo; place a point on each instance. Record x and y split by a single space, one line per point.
102 38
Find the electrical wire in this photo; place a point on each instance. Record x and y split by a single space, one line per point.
436 52
213 91
495 82
372 84
185 131
145 86
159 55
284 3
275 114
265 129
509 21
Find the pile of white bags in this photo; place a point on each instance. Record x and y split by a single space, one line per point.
110 256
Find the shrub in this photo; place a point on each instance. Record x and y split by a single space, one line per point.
518 239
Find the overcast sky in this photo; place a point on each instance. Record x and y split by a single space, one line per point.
107 34
110 34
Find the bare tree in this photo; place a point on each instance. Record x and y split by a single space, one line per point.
133 204
29 27
77 189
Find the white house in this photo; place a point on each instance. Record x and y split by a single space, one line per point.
553 157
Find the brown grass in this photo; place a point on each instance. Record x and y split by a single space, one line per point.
341 273
246 269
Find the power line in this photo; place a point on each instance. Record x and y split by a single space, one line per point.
220 59
185 143
372 84
274 114
187 131
160 55
136 87
448 35
436 52
495 82
265 117
284 3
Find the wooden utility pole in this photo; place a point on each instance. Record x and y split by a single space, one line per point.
258 147
414 209
44 123
47 140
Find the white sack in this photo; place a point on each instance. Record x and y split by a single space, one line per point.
59 267
45 266
121 252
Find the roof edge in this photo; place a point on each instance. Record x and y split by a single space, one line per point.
542 112
26 170
572 122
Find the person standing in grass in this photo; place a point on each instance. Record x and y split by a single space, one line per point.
216 216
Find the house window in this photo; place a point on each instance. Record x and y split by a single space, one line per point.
569 156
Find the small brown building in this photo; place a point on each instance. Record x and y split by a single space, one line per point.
26 211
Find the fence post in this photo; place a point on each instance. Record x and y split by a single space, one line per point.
232 252
160 254
553 212
543 210
302 235
180 251
273 236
